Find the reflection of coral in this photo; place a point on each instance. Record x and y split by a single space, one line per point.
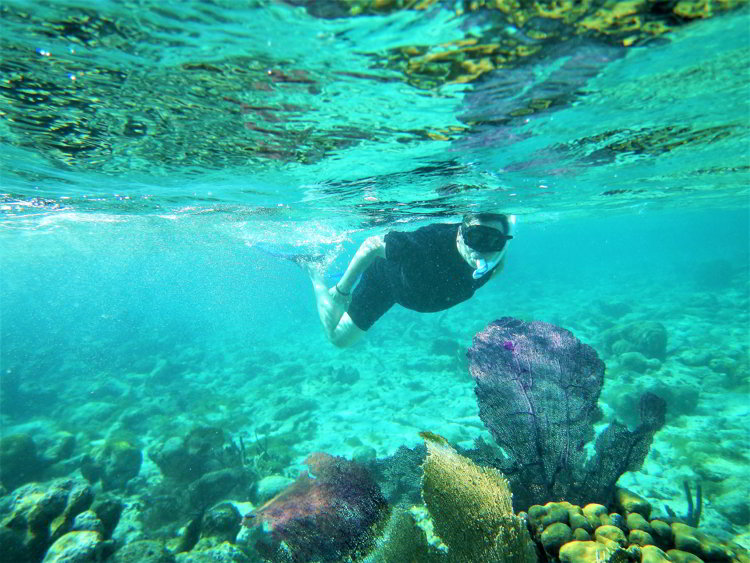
329 517
541 25
539 401
471 508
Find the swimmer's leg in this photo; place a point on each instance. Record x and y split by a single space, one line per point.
337 325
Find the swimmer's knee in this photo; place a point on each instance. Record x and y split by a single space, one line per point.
346 333
342 339
339 342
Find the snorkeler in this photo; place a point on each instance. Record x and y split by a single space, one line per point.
427 270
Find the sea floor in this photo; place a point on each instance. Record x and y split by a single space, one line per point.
298 395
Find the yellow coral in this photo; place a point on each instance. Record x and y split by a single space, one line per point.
568 11
471 508
692 10
577 551
404 540
473 70
618 18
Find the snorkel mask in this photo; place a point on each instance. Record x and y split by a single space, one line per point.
482 239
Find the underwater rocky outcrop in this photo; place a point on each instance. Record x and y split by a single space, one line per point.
647 338
204 464
36 515
201 469
24 458
537 389
19 460
114 463
202 450
335 515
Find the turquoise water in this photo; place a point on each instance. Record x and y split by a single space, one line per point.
151 157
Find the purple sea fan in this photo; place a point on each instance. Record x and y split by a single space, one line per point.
540 404
329 517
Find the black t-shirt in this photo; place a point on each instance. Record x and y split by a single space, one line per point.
425 271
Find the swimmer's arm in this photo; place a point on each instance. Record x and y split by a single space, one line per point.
372 248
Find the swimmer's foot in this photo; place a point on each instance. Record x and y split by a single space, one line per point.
330 305
307 260
316 272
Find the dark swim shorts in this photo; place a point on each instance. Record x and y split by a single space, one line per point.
422 271
372 297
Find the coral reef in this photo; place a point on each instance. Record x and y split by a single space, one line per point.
338 515
335 514
538 397
471 508
168 512
404 539
600 535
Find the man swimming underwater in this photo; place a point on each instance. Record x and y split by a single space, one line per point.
427 270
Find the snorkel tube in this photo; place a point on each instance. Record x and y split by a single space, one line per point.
482 265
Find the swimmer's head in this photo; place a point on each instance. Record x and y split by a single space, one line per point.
487 232
486 236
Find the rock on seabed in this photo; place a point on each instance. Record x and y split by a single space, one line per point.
75 547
